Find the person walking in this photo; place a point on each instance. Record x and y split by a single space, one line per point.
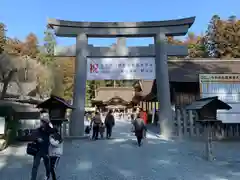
109 123
102 130
132 117
139 128
95 124
55 151
42 139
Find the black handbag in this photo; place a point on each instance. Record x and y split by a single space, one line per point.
32 148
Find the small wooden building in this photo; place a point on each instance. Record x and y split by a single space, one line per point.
206 108
21 119
57 108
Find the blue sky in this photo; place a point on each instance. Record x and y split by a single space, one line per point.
25 16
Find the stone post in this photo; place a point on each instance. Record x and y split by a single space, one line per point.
209 143
163 88
77 117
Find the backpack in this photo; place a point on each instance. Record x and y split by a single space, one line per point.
138 124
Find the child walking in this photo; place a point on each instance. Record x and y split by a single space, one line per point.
102 129
55 151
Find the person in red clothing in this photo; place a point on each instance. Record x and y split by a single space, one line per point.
143 115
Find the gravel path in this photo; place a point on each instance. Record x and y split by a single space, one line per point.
120 159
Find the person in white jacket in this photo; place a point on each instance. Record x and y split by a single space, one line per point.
55 151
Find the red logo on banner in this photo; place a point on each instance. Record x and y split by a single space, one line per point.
93 68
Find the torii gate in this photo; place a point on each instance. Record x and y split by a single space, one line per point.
160 50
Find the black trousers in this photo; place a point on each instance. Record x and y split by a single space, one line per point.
53 160
108 131
139 135
139 140
36 163
95 132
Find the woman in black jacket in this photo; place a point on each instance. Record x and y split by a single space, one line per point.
42 138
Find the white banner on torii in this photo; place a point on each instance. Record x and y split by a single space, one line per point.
121 68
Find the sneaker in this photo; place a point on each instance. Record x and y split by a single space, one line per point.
46 178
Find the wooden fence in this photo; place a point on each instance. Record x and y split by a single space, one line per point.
185 125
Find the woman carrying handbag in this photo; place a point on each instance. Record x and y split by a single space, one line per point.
42 143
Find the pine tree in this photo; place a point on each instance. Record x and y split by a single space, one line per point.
47 57
49 41
2 37
211 35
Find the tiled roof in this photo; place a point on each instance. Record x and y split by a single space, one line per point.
18 107
189 70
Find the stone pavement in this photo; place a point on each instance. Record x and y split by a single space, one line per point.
120 159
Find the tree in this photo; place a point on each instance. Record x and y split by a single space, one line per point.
58 86
8 68
88 95
49 45
232 19
2 37
119 83
49 41
223 37
30 46
14 46
212 36
172 40
229 39
109 83
12 69
196 46
64 78
64 81
128 83
44 80
17 63
114 83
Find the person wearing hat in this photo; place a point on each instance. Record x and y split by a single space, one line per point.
42 138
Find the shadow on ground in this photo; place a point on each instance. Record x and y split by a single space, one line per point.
120 158
16 164
156 159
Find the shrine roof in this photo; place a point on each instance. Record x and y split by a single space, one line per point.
201 103
49 102
107 93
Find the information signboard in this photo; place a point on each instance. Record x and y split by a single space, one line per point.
227 88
